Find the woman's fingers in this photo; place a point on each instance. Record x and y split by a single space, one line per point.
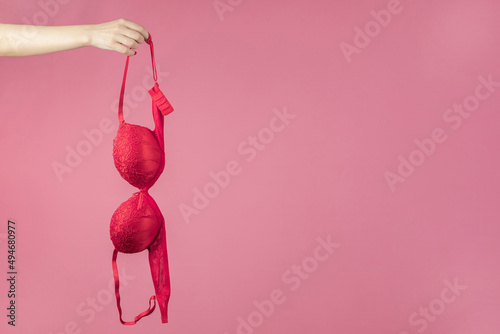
120 35
127 41
132 34
136 28
125 50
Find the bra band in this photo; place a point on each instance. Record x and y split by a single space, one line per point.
158 258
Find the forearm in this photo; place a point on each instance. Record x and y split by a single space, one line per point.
20 40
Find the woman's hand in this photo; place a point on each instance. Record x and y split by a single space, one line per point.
120 35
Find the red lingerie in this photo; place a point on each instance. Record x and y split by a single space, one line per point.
138 223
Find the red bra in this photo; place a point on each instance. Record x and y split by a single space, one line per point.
138 224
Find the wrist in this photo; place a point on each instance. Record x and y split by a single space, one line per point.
87 35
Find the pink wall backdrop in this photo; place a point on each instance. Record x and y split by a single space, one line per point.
332 167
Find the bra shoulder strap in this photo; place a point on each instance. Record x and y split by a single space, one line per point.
161 106
155 77
120 104
117 294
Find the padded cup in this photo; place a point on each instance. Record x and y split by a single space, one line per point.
137 155
134 229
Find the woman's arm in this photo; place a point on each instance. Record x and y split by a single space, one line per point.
120 35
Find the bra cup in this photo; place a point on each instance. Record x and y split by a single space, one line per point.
134 229
137 155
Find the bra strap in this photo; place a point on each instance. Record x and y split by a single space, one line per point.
117 293
153 62
155 77
120 104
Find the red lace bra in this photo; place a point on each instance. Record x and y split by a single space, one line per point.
138 224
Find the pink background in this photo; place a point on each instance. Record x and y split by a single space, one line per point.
323 175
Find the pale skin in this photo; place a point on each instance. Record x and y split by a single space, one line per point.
121 35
